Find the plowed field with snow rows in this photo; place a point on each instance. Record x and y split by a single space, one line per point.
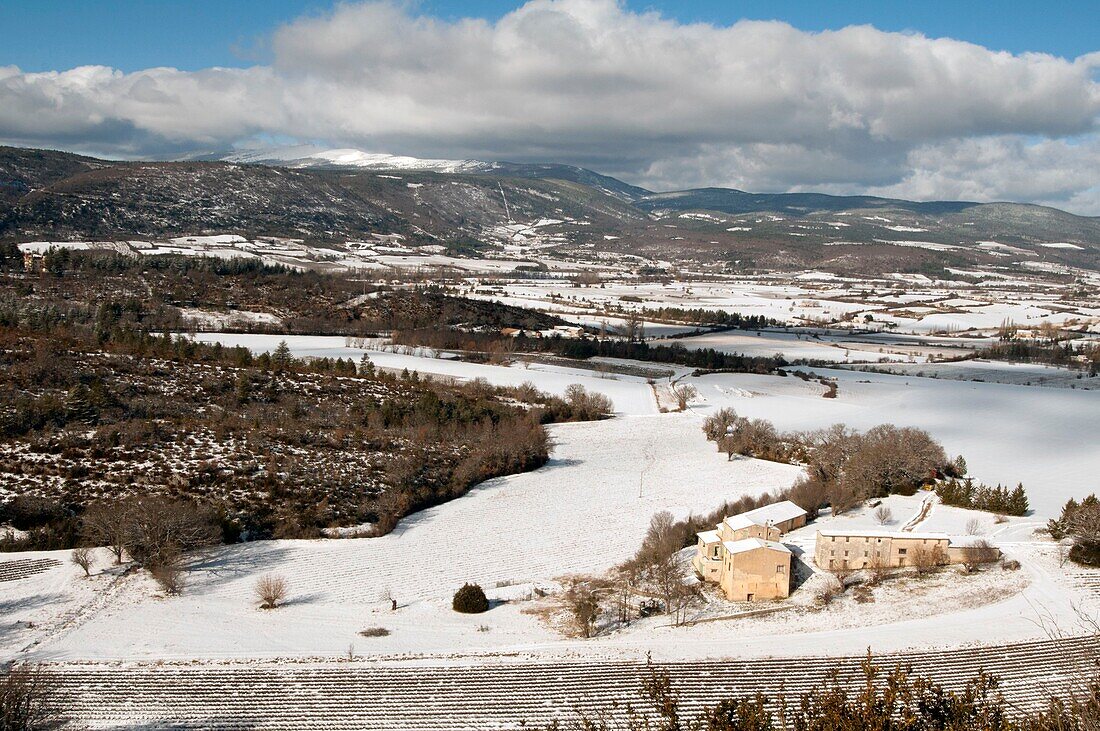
338 695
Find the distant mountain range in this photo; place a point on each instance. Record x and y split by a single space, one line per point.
307 156
475 207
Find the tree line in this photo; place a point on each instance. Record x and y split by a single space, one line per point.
1079 523
967 493
843 466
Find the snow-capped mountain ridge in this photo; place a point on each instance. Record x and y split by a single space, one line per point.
305 156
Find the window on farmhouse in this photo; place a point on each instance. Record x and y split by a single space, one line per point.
780 568
901 551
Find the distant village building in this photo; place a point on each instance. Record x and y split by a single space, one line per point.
837 549
564 331
743 554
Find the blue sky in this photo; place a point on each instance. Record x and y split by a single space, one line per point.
45 35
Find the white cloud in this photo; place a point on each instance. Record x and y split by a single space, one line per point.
759 105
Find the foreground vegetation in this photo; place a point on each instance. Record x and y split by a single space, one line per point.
882 699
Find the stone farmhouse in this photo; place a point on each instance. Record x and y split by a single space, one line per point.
837 549
743 554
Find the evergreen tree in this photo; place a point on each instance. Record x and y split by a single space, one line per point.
78 406
282 359
244 388
959 466
1018 501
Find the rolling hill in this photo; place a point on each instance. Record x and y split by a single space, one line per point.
476 208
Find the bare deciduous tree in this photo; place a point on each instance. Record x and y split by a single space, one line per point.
160 529
661 538
884 515
927 559
82 557
877 569
730 445
271 589
829 450
104 524
584 607
842 498
981 552
28 700
684 393
633 326
974 527
892 459
718 424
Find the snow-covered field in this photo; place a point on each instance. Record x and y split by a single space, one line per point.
584 512
802 346
1007 433
629 394
1020 374
908 304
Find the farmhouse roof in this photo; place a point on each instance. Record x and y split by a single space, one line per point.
776 512
767 515
883 534
752 544
737 522
708 536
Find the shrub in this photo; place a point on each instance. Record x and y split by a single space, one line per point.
879 697
927 559
830 588
374 632
271 590
470 599
28 700
169 575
